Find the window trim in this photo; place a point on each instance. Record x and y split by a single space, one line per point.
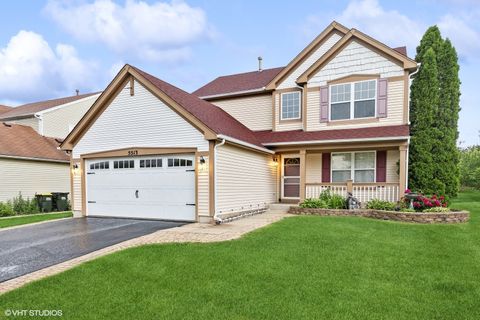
352 100
352 169
299 106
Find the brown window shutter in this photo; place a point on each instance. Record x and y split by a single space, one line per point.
382 90
324 104
381 166
325 167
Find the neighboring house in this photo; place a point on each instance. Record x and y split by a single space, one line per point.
30 135
51 118
30 163
336 117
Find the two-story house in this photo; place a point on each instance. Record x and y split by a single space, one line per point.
30 135
336 117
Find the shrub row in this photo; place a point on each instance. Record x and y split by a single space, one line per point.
18 206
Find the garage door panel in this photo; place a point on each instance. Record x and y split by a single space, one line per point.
138 192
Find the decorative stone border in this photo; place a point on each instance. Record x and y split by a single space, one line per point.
413 217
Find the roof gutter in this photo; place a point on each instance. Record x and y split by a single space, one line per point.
33 159
236 93
245 144
335 141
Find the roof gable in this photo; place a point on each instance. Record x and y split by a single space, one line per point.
332 28
29 109
206 117
24 142
355 35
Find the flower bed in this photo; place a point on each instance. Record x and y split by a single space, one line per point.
413 217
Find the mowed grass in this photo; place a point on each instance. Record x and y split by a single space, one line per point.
19 220
300 268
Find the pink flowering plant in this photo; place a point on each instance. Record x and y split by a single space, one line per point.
422 202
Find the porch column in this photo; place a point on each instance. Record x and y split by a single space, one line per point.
303 173
403 170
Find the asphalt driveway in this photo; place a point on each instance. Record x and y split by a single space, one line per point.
30 248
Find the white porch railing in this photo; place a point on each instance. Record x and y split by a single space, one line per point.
363 192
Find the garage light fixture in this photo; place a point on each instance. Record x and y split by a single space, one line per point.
202 160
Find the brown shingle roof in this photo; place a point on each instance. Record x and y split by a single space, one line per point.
269 137
23 141
212 116
238 82
402 50
4 109
30 109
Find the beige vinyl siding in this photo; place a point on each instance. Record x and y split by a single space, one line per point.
313 168
395 109
255 112
141 120
203 189
77 188
355 58
30 122
30 177
285 125
289 81
393 156
58 122
244 179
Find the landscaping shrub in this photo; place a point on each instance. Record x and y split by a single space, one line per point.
313 203
437 209
24 206
6 209
326 200
422 202
376 204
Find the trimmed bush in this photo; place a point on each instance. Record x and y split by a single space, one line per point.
326 200
6 209
313 203
376 204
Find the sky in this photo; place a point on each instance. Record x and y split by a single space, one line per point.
50 48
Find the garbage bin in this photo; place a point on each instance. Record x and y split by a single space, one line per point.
60 201
44 202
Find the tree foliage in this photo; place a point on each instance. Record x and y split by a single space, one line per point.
470 167
434 109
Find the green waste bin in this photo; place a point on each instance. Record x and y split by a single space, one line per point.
45 202
60 201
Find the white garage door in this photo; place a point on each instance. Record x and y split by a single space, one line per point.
151 187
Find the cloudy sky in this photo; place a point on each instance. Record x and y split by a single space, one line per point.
50 48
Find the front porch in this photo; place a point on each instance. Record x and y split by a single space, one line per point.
367 170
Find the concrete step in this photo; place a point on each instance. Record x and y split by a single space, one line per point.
282 207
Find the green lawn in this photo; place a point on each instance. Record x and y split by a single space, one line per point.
19 220
300 268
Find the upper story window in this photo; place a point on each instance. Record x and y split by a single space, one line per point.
291 105
356 166
353 100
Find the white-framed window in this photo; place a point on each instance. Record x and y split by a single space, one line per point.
151 163
291 105
123 164
356 166
178 162
353 100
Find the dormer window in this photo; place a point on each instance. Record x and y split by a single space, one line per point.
291 103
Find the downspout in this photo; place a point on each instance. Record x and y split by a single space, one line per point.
408 110
216 219
40 123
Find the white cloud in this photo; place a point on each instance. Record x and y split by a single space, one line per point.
462 34
30 69
159 31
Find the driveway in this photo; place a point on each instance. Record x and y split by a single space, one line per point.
30 248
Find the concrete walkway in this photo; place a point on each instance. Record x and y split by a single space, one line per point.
194 232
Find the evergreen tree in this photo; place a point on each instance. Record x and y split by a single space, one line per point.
443 126
424 101
446 155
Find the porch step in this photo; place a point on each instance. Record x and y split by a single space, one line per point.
281 207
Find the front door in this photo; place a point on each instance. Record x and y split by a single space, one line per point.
291 177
